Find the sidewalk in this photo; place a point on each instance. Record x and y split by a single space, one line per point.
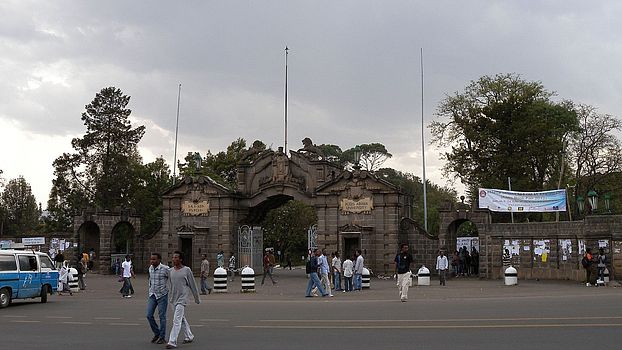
292 284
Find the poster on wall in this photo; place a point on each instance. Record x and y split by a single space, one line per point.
541 249
522 202
565 247
513 246
603 243
581 247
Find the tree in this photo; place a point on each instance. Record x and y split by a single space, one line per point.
500 127
154 179
595 151
102 166
286 227
21 210
332 153
437 196
373 155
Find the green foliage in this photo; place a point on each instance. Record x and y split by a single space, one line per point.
332 153
373 155
154 179
501 127
437 196
102 170
222 166
20 213
286 227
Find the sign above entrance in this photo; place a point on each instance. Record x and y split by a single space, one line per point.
363 205
512 201
191 208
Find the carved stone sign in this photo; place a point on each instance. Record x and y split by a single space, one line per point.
362 205
191 208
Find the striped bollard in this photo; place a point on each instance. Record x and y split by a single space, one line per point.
220 280
248 280
423 276
365 279
72 280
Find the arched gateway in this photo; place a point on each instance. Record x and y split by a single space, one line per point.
354 208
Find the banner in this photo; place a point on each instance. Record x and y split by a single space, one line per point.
521 202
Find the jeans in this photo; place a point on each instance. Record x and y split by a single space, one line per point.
314 281
441 276
348 283
267 272
127 286
326 283
231 274
179 323
358 281
81 283
337 280
204 286
161 303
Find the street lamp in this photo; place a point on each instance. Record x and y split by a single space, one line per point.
607 198
592 196
580 203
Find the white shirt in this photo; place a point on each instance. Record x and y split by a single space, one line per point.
127 268
337 264
442 263
348 267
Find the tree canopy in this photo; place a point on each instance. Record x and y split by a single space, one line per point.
503 126
372 155
20 213
286 227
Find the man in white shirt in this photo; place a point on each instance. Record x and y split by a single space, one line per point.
336 264
128 272
441 266
348 271
358 271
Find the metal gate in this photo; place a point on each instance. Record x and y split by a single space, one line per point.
250 247
312 238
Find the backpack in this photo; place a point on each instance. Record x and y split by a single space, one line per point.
585 263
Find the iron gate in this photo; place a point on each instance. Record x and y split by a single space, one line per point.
250 247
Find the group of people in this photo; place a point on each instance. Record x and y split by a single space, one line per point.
601 264
324 277
465 263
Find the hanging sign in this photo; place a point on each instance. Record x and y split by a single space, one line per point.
519 202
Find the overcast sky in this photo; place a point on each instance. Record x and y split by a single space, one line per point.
354 69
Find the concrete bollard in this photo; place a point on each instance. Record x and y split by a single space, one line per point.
511 276
423 276
220 280
365 279
248 280
72 280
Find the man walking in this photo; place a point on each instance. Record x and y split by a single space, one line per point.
324 270
267 268
231 271
358 271
402 269
441 266
158 297
127 273
205 288
586 262
182 283
314 281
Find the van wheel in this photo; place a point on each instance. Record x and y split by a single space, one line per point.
5 297
44 294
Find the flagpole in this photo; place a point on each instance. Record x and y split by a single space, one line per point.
286 55
176 131
425 193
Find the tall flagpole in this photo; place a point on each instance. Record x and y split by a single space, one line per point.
176 131
286 55
425 193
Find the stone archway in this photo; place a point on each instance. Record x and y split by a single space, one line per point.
90 238
123 238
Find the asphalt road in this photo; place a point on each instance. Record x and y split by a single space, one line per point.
466 314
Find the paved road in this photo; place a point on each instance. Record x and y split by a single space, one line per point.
466 314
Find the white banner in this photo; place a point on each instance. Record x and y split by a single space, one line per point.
33 241
520 202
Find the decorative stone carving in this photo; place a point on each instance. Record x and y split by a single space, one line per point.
254 151
310 150
280 167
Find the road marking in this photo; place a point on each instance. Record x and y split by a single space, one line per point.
106 318
214 320
464 319
440 326
26 321
14 316
124 324
58 317
75 322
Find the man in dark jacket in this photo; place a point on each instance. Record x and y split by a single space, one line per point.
314 280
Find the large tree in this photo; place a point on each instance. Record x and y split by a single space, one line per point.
146 199
503 126
595 150
21 213
101 170
372 155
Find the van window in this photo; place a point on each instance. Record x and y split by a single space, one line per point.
27 263
46 263
7 263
